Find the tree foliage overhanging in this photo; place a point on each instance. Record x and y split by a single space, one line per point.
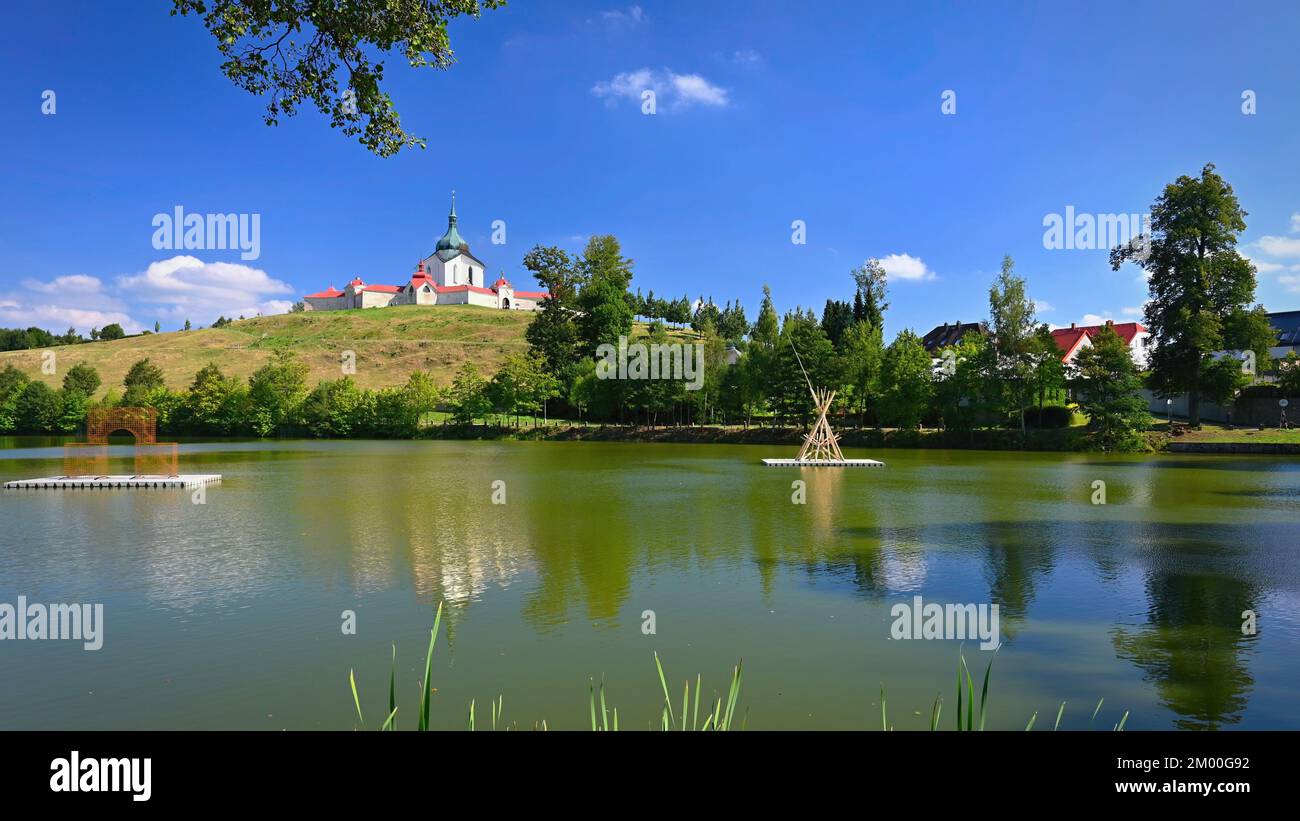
328 54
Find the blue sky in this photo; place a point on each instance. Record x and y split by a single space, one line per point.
767 113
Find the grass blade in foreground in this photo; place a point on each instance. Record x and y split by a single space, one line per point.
721 713
352 679
426 688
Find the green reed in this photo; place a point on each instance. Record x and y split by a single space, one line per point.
719 714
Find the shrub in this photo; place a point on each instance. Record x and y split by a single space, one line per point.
1051 416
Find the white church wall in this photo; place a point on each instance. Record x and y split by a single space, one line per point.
436 269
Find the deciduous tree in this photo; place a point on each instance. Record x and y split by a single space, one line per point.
906 387
1201 287
1013 326
1108 386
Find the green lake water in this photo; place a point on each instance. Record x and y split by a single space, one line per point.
227 614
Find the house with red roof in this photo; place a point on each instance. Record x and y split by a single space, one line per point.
451 275
1075 338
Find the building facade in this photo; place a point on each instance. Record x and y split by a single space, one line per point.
451 275
1075 338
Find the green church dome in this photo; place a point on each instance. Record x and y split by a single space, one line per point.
451 244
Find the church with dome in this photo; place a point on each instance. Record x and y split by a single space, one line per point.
451 275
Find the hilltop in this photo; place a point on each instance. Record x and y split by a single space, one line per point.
389 343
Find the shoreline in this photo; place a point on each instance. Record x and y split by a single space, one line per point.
1058 440
1062 440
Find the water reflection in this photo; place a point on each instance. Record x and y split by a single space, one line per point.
1157 578
1199 580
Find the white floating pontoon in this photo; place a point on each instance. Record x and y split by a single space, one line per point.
94 482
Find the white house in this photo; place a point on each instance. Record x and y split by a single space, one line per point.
1075 338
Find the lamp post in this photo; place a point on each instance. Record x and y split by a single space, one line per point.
1169 404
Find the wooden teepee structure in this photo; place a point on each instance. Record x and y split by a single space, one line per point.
820 443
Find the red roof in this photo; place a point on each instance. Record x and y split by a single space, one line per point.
1068 339
419 279
1127 330
538 295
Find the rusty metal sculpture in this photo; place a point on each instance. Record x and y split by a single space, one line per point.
90 458
142 423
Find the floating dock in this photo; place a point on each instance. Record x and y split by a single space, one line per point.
823 463
107 482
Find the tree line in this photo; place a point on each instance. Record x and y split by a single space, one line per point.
26 339
754 373
1201 306
276 400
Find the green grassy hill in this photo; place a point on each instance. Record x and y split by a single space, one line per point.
389 344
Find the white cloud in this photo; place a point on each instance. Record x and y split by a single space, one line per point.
1266 267
1284 253
77 282
693 88
180 288
747 58
905 266
628 84
57 318
675 91
1042 306
630 17
274 306
1132 314
186 287
73 300
1284 247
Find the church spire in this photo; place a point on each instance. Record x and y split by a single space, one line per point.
451 242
